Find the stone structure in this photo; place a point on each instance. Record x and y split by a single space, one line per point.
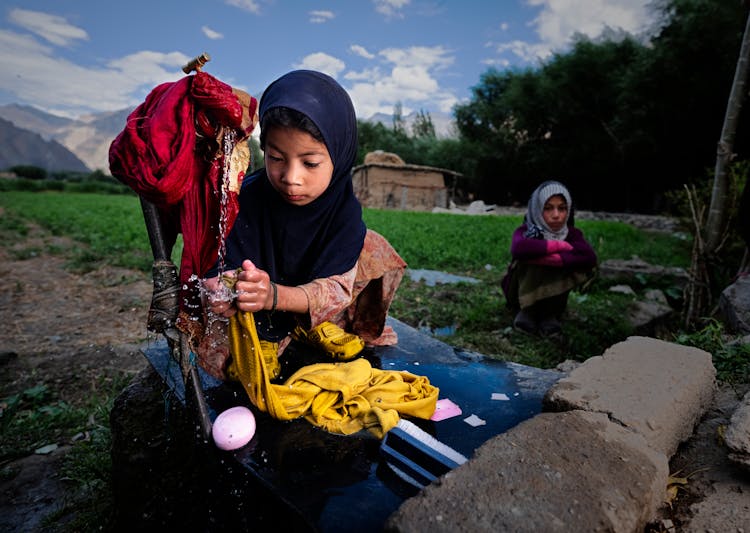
384 181
737 435
597 461
734 304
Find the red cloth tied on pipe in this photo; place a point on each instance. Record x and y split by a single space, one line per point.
172 153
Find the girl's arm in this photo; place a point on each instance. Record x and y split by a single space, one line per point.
525 249
536 250
327 297
255 292
582 255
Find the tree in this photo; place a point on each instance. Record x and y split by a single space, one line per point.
717 212
711 240
612 111
399 125
256 155
423 126
29 171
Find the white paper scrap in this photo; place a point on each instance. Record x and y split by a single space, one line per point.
500 396
475 421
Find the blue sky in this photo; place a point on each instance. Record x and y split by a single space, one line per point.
73 57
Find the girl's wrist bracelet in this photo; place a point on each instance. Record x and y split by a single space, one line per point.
275 296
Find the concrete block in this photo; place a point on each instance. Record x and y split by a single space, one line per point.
656 388
573 471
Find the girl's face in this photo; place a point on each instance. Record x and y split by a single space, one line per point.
298 166
555 212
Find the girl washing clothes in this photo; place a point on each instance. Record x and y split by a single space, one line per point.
299 256
550 257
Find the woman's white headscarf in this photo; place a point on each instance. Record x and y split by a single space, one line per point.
537 227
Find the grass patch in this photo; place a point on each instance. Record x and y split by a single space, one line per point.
36 417
463 244
107 229
731 359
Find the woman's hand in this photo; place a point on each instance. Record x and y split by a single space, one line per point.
254 292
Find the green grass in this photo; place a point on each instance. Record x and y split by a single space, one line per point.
479 247
731 359
107 229
459 243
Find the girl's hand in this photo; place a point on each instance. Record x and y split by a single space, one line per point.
555 247
254 292
220 295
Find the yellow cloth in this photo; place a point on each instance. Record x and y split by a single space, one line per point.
338 397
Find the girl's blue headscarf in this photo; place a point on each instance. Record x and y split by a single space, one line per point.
298 244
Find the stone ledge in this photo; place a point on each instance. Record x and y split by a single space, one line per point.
572 471
655 388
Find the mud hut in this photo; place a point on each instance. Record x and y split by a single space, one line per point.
385 181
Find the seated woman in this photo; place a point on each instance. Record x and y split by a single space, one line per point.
550 257
299 256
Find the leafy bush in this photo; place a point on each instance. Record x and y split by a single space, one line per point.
96 182
29 171
731 359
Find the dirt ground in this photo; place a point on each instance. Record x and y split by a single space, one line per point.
72 331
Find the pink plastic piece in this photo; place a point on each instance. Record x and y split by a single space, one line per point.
445 409
234 428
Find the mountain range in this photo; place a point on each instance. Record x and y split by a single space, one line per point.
29 136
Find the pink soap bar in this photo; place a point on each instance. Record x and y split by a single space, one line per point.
445 409
233 428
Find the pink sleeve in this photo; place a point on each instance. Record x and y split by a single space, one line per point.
327 297
554 247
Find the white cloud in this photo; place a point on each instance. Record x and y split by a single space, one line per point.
211 34
559 21
429 57
390 8
54 29
497 63
250 6
363 75
407 77
33 74
361 51
527 52
323 63
320 16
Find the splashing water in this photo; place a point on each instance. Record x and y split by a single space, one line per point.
226 290
230 138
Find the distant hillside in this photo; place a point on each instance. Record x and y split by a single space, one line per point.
444 124
87 137
23 147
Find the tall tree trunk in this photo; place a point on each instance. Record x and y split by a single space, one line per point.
707 243
717 213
